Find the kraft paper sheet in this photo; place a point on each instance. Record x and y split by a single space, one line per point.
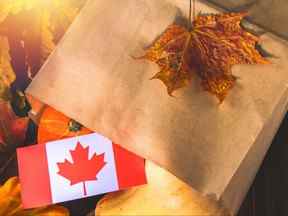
216 149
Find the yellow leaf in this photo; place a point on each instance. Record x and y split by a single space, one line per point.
7 75
10 203
38 36
10 197
8 7
46 21
63 13
48 44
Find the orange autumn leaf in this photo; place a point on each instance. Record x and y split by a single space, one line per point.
214 44
10 202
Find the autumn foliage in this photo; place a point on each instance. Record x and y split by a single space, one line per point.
209 49
29 32
10 202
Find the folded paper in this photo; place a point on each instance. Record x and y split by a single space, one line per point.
216 149
75 168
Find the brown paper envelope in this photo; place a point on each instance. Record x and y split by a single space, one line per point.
216 149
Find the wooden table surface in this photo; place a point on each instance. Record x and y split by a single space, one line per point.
268 194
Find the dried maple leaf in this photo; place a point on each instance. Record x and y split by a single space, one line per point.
71 171
10 202
213 45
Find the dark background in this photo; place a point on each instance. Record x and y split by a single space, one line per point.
268 193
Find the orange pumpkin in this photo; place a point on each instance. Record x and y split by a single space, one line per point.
54 125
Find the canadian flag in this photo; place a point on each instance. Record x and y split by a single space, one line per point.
75 168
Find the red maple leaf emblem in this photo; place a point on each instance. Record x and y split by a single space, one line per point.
82 169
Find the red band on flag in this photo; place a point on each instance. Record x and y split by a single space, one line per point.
75 168
129 167
35 186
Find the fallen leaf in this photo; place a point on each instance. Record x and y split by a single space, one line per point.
38 39
214 44
12 128
12 7
81 161
7 75
10 202
33 28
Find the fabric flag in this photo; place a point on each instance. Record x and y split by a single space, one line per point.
75 168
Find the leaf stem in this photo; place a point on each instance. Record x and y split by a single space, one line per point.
190 15
192 11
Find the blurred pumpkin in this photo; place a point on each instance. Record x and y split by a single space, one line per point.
10 202
54 125
164 194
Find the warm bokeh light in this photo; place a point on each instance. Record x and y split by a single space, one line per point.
29 31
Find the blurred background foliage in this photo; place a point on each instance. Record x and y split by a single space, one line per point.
29 32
